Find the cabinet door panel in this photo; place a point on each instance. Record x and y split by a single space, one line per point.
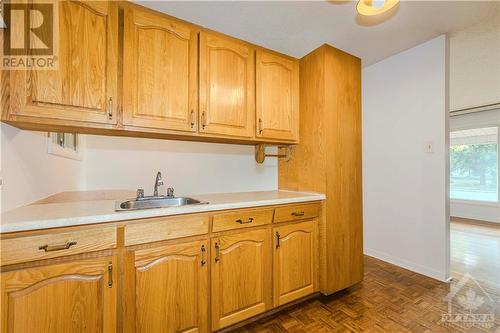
159 72
241 277
295 254
83 87
277 82
69 297
171 288
227 86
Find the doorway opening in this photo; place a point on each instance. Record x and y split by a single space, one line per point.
474 196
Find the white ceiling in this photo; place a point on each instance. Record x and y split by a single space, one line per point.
297 27
476 135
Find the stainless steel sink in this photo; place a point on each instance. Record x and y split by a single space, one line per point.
156 202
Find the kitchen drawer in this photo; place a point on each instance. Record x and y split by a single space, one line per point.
31 248
242 219
158 229
296 212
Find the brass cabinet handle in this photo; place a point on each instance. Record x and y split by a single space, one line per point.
203 120
240 221
298 213
192 119
260 125
203 250
49 248
217 252
278 236
110 108
110 275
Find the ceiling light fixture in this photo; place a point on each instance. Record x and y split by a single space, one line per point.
375 7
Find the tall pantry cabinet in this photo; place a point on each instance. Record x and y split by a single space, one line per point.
328 160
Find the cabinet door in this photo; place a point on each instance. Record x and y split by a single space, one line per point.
241 277
78 296
159 71
295 261
83 87
277 82
227 86
171 291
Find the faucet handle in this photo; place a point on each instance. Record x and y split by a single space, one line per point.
140 193
170 192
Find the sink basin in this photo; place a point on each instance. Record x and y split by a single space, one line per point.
156 202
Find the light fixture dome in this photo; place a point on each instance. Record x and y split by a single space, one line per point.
375 7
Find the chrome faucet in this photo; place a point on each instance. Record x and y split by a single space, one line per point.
158 182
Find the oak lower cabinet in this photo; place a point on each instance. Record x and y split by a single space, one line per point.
241 276
170 289
294 262
193 273
76 296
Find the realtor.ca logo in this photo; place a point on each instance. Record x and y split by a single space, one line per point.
29 36
469 305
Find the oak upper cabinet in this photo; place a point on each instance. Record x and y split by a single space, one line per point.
295 261
277 97
83 87
241 277
77 296
227 86
159 71
171 291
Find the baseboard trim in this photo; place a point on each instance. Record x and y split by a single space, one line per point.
484 223
417 268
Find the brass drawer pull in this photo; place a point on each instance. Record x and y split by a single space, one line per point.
240 221
278 236
217 252
203 251
260 125
49 248
298 213
110 275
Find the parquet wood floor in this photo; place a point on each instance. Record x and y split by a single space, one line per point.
390 299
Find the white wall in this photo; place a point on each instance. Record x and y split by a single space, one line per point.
475 64
405 195
471 210
189 167
29 173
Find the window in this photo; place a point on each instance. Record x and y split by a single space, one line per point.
474 164
64 145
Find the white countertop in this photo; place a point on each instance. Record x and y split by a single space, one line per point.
53 215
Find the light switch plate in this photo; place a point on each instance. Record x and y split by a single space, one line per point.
429 147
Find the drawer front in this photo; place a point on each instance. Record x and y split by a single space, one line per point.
296 212
242 219
155 230
31 248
